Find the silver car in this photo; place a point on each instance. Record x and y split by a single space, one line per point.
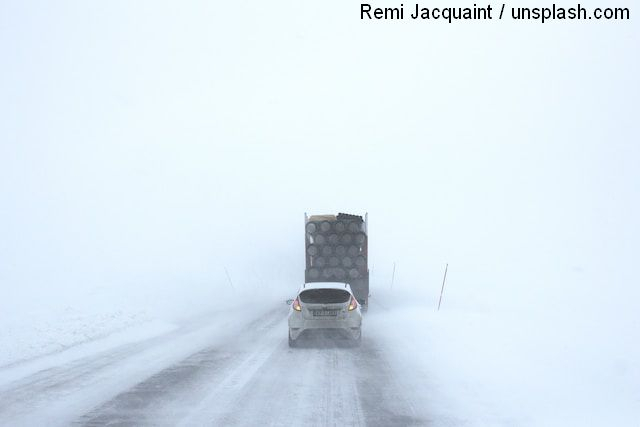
325 306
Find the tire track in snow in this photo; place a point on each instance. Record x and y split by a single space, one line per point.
58 395
255 378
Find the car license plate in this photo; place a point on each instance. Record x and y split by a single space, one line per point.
325 313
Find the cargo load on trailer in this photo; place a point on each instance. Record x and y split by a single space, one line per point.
336 250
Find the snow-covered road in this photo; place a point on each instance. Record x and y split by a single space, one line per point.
212 372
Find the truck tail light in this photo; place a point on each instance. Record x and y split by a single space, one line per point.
353 304
297 306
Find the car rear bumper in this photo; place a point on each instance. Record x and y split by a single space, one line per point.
297 325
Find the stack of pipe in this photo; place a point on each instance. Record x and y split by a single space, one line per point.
336 249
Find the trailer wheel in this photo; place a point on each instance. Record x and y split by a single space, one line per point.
364 304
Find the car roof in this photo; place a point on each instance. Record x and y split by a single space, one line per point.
325 285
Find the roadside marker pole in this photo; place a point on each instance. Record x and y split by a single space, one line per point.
442 290
229 278
393 275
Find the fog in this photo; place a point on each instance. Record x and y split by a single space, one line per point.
147 148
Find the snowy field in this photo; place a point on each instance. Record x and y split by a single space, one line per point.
523 366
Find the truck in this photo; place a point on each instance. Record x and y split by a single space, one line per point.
336 250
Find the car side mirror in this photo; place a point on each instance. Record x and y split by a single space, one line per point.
289 302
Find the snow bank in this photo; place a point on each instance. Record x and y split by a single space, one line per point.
49 329
45 321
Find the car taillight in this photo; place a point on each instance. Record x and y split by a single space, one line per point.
353 304
296 305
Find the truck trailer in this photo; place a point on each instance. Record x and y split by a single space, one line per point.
336 250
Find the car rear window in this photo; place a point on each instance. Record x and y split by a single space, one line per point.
324 296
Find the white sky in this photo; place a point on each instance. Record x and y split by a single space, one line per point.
160 141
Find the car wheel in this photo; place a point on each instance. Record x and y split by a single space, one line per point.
357 338
292 343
